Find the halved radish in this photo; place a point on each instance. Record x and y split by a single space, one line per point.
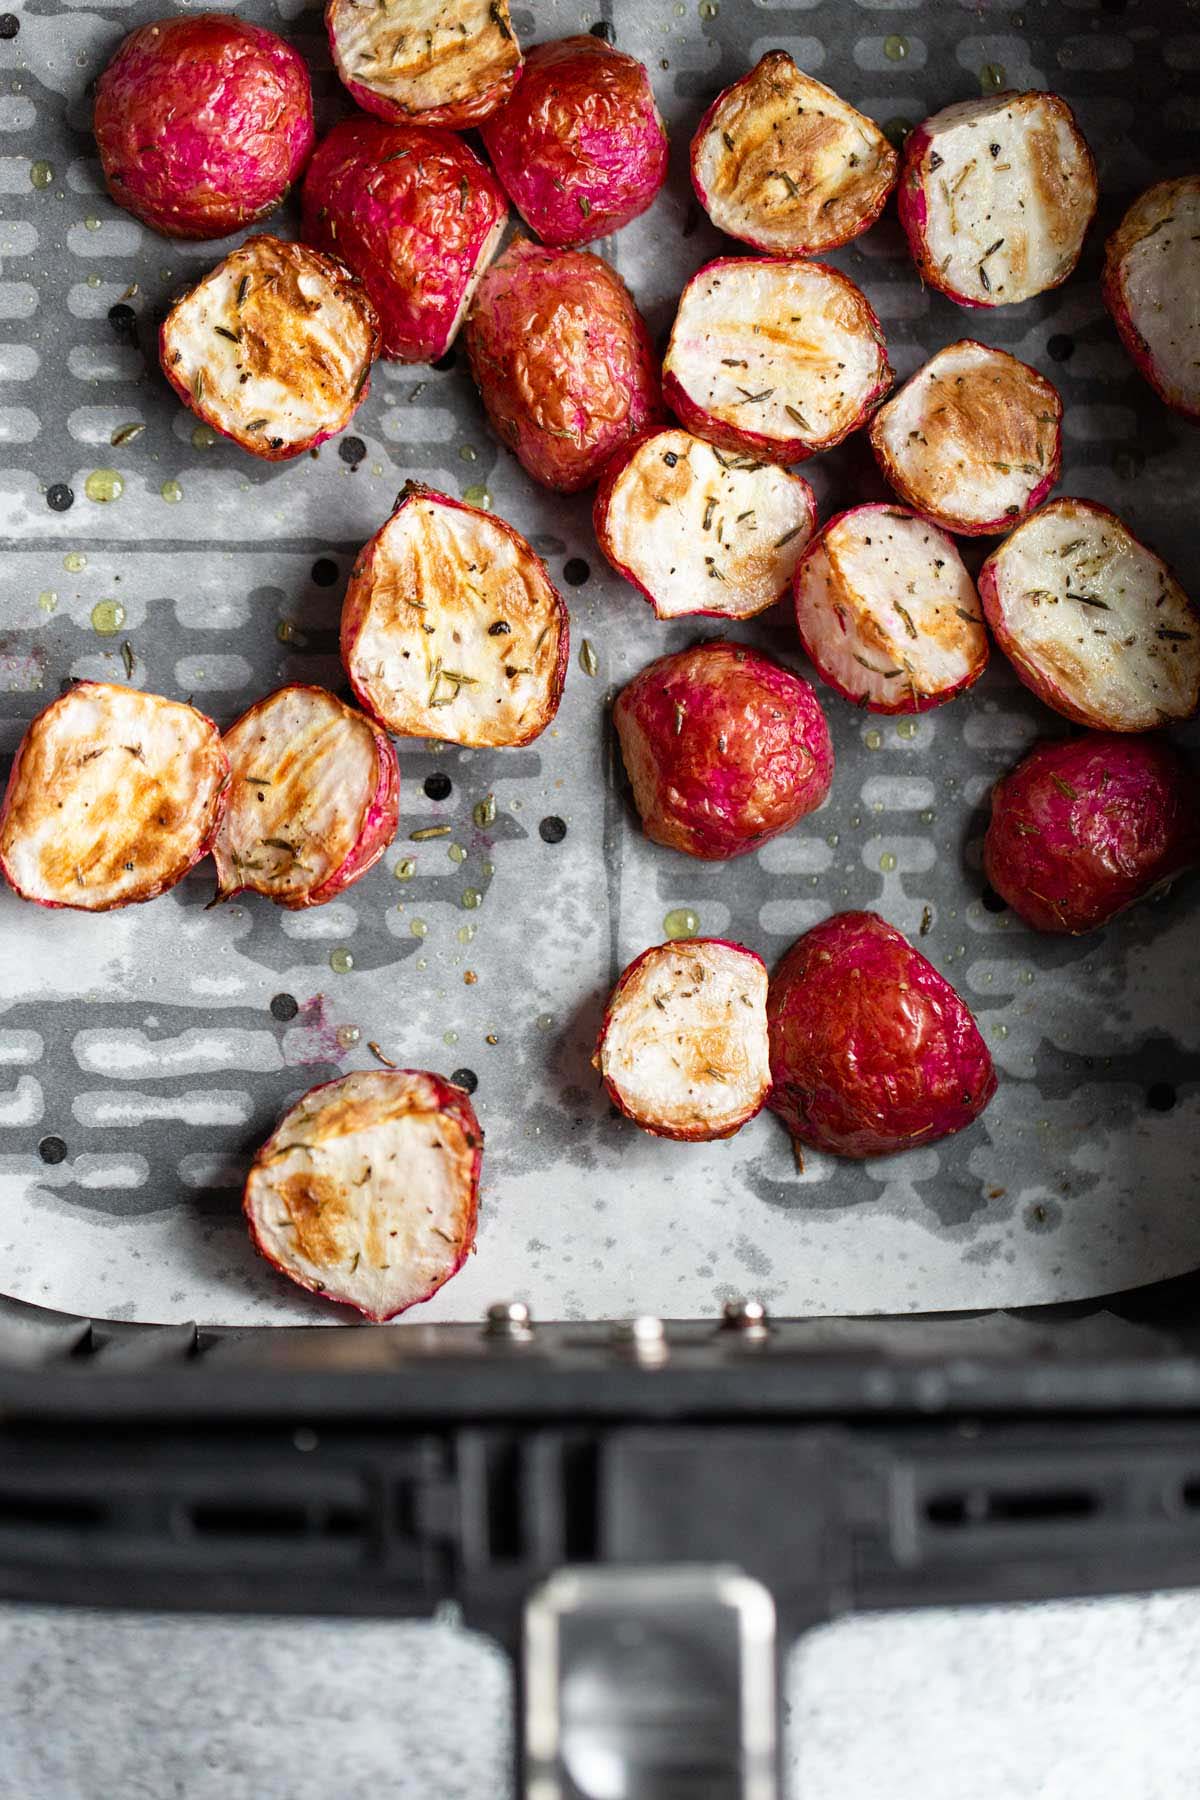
887 613
774 358
1092 620
996 196
273 348
314 799
425 63
367 1191
973 440
701 532
787 165
451 627
1150 282
113 796
683 1047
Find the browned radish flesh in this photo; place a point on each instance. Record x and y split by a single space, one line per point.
451 627
424 61
787 165
1092 620
774 358
113 796
699 531
996 196
273 348
887 612
368 1190
683 1049
313 798
1150 286
973 441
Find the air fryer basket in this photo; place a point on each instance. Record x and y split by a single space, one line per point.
260 1461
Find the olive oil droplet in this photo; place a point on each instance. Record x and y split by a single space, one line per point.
477 495
340 960
171 492
456 853
74 562
471 898
450 1037
465 933
103 485
41 174
681 922
108 616
887 862
468 453
418 928
907 728
348 1036
405 869
895 48
47 600
873 740
203 437
992 77
91 223
709 9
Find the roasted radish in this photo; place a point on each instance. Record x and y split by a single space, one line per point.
367 1192
701 532
579 146
973 441
113 796
563 362
273 348
724 749
313 799
1150 282
787 165
417 217
451 627
773 358
202 124
1092 620
1081 830
683 1047
887 613
996 196
429 64
871 1050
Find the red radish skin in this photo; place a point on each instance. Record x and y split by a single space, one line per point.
1082 830
580 146
1093 622
872 1051
463 61
445 590
882 652
352 1194
742 344
786 165
973 441
698 532
1014 224
416 215
562 360
202 124
114 795
724 749
683 1047
1151 277
273 348
325 810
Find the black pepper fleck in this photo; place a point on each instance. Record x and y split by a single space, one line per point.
1160 1096
448 361
1060 347
552 829
576 571
60 497
352 450
438 786
52 1150
603 30
992 902
123 320
284 1007
466 1079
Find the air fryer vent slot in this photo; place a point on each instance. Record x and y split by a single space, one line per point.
1011 1506
1190 1494
35 1512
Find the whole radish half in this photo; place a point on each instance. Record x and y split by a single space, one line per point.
973 441
996 196
887 612
273 348
724 749
416 215
580 146
774 358
1150 282
562 360
367 1192
113 796
787 165
1082 830
699 531
683 1047
425 65
314 799
1093 621
202 123
871 1050
451 627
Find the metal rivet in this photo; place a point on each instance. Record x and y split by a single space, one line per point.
509 1319
645 1337
749 1317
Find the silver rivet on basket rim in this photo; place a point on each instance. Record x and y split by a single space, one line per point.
644 1337
509 1319
749 1317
